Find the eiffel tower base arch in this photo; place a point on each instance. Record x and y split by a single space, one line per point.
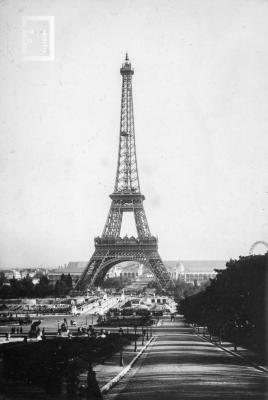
109 252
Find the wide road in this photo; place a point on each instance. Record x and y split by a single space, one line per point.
180 365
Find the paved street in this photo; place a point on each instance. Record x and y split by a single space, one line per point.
181 365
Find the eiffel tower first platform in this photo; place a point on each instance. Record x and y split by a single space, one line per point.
110 248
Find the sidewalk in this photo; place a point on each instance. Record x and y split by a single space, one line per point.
249 356
111 366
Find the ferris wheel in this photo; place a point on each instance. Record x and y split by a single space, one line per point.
255 244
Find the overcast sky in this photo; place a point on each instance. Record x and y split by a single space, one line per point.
200 92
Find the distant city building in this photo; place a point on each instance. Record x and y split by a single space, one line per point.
74 268
194 271
26 272
190 271
129 270
34 273
10 274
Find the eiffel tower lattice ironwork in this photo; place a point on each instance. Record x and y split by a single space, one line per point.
110 248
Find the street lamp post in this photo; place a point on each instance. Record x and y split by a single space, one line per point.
121 347
235 336
220 336
142 336
135 338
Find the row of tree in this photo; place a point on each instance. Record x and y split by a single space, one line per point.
181 289
117 283
233 306
25 288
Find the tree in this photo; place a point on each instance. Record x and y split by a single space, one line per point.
63 285
69 281
43 288
234 304
3 279
117 283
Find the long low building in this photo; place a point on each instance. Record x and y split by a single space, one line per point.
191 271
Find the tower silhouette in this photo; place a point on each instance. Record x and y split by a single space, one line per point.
110 248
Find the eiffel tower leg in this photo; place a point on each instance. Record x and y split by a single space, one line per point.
95 272
114 221
157 267
141 222
84 280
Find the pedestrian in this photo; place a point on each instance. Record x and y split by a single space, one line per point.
43 335
93 390
21 329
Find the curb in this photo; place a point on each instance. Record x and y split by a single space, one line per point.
113 381
259 367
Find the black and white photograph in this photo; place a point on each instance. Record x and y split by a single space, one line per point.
133 199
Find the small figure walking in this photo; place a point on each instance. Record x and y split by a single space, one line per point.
43 334
93 390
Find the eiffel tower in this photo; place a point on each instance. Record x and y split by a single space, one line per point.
110 248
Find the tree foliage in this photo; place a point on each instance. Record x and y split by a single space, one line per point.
117 283
234 304
63 285
182 289
25 288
